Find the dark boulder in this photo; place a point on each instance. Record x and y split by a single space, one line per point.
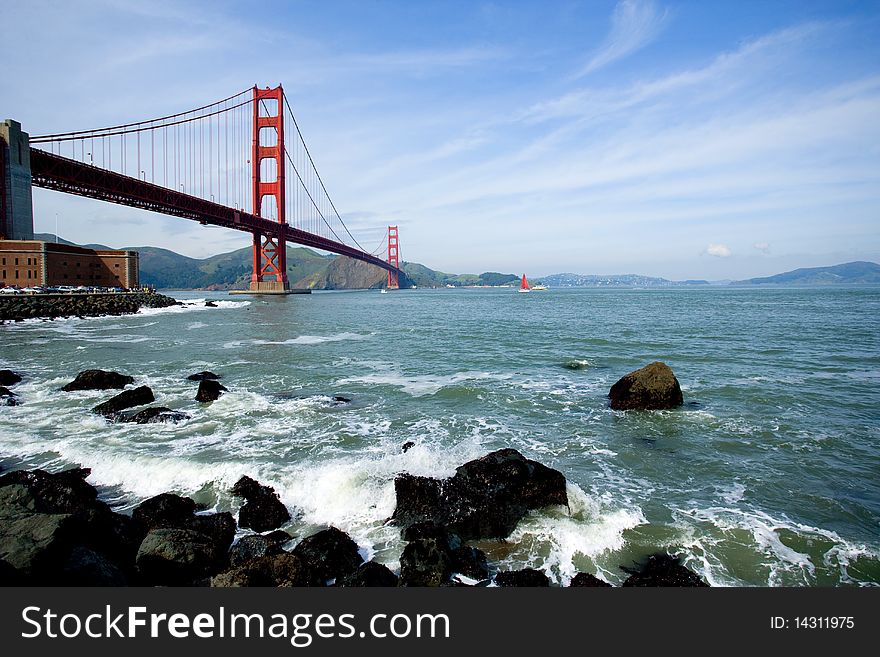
418 500
154 414
210 304
662 570
204 375
524 577
171 511
32 543
251 547
7 397
284 569
463 559
426 562
9 378
125 399
263 510
98 380
62 492
164 510
486 498
219 527
329 554
339 399
370 574
209 390
85 567
470 562
586 579
169 556
113 535
653 387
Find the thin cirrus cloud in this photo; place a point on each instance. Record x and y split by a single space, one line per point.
634 24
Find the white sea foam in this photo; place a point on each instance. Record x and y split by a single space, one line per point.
785 565
301 340
555 539
421 385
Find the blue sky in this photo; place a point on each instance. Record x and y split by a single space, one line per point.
681 139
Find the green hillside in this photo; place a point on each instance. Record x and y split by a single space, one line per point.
849 273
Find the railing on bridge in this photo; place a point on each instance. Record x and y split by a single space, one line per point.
225 164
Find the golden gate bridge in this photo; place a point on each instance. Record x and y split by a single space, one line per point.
229 163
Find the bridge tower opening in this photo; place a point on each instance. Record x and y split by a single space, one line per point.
270 251
393 258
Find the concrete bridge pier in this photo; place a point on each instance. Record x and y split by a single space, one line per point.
16 204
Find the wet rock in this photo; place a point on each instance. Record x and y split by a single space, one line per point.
586 579
277 570
204 375
339 399
62 492
34 544
329 554
652 387
524 577
125 399
7 397
98 380
9 378
155 414
251 547
171 557
470 562
263 510
370 574
85 567
662 570
171 511
486 498
210 304
279 536
219 527
209 390
408 445
110 534
164 510
425 562
418 500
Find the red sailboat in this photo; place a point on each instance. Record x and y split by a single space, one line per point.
524 285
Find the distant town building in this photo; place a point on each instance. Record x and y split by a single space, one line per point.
27 263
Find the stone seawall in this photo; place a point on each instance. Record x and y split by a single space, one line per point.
49 306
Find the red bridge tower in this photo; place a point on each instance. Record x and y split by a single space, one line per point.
270 252
393 259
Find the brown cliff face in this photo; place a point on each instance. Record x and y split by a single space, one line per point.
345 273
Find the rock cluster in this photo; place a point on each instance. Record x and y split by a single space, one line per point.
55 531
20 307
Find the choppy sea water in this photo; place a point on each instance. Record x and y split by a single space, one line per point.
768 476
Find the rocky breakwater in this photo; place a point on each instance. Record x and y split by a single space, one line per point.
18 307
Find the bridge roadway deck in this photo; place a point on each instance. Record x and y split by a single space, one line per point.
62 174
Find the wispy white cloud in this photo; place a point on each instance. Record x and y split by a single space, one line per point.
634 24
763 247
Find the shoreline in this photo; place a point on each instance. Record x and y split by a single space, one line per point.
17 308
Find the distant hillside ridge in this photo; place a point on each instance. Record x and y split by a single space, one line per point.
848 273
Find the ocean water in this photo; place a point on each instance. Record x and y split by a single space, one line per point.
768 476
